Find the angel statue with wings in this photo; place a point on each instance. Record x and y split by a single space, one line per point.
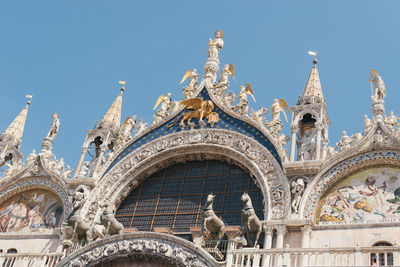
192 86
223 82
127 128
276 125
243 106
163 111
198 109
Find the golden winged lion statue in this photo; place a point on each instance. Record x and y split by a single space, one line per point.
198 109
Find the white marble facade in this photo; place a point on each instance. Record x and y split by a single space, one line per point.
321 200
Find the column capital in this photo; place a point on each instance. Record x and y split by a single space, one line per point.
294 128
306 229
84 149
103 148
280 229
268 229
319 125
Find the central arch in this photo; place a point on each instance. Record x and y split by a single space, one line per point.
174 196
204 144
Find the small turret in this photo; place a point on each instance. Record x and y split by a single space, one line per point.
10 139
103 137
310 120
112 119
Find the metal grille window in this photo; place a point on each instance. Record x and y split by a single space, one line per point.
173 197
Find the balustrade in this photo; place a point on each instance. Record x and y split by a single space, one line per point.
356 256
30 259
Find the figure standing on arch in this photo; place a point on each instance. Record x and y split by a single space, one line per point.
215 45
379 86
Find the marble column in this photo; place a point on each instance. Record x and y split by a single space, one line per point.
294 129
84 150
99 159
305 235
305 242
268 232
281 231
318 125
325 142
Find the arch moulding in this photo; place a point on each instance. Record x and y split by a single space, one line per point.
340 168
139 247
300 116
203 144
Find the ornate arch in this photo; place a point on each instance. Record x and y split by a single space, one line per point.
306 111
145 246
200 144
337 169
35 176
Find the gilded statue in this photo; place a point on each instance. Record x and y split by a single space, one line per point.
165 103
224 76
215 45
192 86
223 83
243 106
198 109
276 125
127 127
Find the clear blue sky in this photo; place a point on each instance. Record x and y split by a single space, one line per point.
71 54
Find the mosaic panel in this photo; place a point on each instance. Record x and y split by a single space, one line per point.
369 195
390 159
31 210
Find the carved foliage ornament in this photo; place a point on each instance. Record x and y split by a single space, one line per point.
142 250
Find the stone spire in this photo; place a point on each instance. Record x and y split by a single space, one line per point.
313 91
103 137
112 119
13 134
310 121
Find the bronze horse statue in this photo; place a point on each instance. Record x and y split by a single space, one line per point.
250 222
211 222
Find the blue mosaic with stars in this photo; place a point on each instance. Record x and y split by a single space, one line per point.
225 122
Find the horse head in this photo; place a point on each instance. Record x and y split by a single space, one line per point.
210 198
245 197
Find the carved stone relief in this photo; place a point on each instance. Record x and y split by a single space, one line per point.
146 249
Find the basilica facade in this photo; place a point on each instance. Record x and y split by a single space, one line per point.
210 182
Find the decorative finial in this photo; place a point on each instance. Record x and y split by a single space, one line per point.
313 53
123 83
29 99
